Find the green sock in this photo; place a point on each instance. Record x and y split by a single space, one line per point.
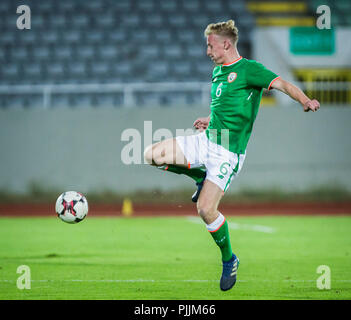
196 173
222 239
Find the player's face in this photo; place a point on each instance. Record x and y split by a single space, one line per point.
215 48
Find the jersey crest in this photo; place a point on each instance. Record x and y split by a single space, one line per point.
232 76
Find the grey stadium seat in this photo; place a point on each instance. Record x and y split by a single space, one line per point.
103 41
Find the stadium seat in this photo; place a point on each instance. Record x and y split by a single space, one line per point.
55 70
94 37
57 22
149 52
157 71
107 52
163 36
85 52
154 20
172 51
101 41
121 5
116 36
26 37
65 5
80 21
19 53
32 70
94 6
50 37
105 21
238 7
200 21
140 37
77 69
37 22
192 6
72 37
7 38
99 69
131 20
3 55
196 51
213 7
44 7
186 36
41 53
11 71
168 6
122 70
148 99
107 100
64 52
203 67
181 70
177 20
146 6
4 7
245 21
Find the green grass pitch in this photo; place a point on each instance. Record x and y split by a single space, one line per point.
174 258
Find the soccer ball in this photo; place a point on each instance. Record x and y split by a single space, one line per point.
71 207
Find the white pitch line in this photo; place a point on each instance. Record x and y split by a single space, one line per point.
175 280
115 280
238 226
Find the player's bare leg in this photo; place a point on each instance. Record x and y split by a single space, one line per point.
167 155
165 152
207 207
208 202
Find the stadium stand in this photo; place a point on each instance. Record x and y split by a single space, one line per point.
108 41
79 41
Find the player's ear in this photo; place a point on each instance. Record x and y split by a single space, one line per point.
226 44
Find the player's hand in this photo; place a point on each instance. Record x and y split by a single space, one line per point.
201 123
312 105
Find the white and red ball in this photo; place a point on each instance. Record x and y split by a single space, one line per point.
71 207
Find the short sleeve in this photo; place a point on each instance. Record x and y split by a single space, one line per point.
259 76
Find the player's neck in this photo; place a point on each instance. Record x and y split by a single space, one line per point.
232 57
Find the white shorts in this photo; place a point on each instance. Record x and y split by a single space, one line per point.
222 165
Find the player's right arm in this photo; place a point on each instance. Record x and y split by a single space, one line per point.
297 94
201 123
259 76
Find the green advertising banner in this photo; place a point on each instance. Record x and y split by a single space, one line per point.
312 41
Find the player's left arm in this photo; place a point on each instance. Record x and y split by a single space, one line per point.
296 94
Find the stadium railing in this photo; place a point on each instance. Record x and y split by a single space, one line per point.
334 93
128 91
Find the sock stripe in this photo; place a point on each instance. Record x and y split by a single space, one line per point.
217 224
218 227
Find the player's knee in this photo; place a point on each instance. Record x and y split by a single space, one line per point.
205 211
153 156
148 155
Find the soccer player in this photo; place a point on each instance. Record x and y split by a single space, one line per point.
214 157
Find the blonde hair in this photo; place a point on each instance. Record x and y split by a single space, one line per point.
225 29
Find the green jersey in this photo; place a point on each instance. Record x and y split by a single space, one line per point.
236 95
